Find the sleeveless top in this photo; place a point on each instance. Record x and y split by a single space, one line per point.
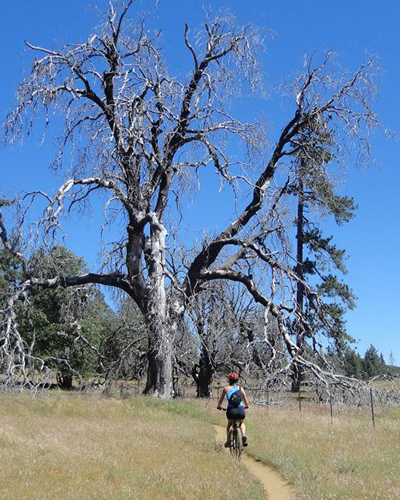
233 389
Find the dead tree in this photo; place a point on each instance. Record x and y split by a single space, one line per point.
219 316
137 132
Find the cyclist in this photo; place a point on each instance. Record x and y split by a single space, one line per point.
235 411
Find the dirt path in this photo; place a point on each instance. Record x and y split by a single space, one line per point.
277 489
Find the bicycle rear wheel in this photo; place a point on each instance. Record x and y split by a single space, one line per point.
232 444
236 442
239 446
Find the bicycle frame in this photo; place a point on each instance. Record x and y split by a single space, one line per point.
236 438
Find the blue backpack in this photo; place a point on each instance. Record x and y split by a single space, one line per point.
236 398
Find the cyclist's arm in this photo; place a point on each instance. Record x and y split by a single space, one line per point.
246 403
221 399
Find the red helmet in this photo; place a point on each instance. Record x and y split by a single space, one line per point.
233 376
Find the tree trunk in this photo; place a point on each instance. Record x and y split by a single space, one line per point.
297 374
160 326
248 332
159 371
203 375
297 377
203 387
64 380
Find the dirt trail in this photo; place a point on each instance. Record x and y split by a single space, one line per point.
277 489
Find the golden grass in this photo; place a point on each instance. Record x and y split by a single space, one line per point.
387 385
86 447
347 460
79 447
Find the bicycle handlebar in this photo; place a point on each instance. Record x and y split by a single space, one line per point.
226 409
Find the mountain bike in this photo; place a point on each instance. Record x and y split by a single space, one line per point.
236 439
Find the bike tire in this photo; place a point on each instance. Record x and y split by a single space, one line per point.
239 443
236 442
232 447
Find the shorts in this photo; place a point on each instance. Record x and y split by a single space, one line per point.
235 413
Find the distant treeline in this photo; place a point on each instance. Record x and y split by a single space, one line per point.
369 366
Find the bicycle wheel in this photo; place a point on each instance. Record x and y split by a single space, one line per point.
232 444
239 442
236 442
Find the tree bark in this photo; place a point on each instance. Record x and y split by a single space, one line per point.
203 374
161 328
64 380
297 374
159 371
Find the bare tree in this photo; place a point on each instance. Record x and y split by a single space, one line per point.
220 320
136 133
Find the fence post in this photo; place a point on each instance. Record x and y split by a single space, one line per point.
331 405
372 406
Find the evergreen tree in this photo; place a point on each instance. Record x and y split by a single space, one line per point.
352 363
65 326
10 272
317 256
124 346
372 365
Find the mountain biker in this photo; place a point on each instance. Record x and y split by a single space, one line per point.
234 411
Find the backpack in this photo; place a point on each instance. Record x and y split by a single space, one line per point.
236 398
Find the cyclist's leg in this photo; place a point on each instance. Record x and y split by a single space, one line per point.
229 430
243 429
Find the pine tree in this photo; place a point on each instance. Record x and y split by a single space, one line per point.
371 363
352 363
318 256
65 326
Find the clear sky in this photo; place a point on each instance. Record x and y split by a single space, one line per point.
297 28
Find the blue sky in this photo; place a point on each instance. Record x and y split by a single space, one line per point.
297 28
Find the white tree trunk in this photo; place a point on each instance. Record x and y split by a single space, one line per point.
161 329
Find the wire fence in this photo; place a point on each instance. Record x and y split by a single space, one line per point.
373 396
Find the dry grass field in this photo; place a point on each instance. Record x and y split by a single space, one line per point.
79 447
347 459
88 447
